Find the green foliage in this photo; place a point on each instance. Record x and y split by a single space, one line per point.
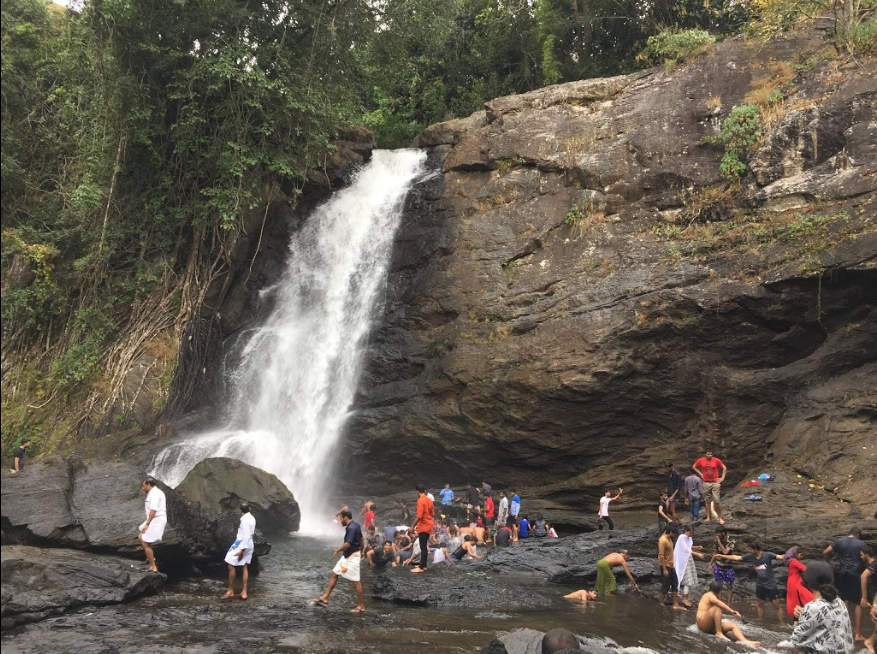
741 131
775 97
574 216
81 361
673 46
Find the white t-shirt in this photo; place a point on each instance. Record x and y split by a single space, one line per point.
155 501
430 497
246 529
604 506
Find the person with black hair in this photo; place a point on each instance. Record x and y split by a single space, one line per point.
152 529
766 589
348 565
709 617
560 640
674 488
824 623
603 511
669 581
18 455
240 554
423 523
848 580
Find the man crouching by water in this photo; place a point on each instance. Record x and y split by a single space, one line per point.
709 617
240 554
348 565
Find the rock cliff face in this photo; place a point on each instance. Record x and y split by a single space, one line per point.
579 295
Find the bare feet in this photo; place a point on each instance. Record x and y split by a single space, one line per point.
244 595
859 638
677 607
751 643
228 594
153 569
319 602
415 570
358 609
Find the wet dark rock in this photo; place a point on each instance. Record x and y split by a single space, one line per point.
563 359
457 585
529 641
40 582
97 506
220 484
573 560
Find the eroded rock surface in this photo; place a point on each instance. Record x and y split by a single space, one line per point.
220 484
579 296
98 507
41 582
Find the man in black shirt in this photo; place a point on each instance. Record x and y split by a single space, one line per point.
348 565
848 578
18 456
380 558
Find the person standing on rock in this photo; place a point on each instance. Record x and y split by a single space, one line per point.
674 488
502 515
18 455
683 563
693 494
152 529
423 523
848 580
447 495
489 512
240 554
603 511
349 563
669 580
605 582
765 580
712 471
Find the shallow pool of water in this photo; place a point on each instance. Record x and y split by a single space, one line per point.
189 617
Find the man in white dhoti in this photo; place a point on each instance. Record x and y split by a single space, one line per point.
240 553
152 529
348 565
683 562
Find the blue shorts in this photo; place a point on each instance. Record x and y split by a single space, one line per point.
724 575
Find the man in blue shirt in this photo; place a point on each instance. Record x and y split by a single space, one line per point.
524 528
447 495
348 565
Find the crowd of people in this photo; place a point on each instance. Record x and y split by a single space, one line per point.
454 528
818 598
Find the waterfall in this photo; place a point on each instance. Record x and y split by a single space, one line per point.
292 390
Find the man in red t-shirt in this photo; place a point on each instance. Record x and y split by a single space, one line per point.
423 523
489 511
712 471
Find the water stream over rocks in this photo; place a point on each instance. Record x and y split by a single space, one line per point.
187 616
298 372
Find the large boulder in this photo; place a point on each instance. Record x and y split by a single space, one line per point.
39 582
98 506
220 484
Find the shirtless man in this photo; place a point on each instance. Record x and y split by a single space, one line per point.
582 596
709 617
606 578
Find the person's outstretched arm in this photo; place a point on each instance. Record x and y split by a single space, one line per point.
864 580
715 601
629 575
827 553
618 494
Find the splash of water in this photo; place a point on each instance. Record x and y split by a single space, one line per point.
292 391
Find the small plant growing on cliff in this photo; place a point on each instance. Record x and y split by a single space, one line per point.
672 46
574 216
741 131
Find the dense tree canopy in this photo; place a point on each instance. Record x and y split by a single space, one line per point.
137 133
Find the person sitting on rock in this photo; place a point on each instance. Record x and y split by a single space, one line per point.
468 547
605 583
503 536
709 617
540 526
382 557
583 596
524 528
403 547
372 539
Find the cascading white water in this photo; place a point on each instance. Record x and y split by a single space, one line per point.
298 373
